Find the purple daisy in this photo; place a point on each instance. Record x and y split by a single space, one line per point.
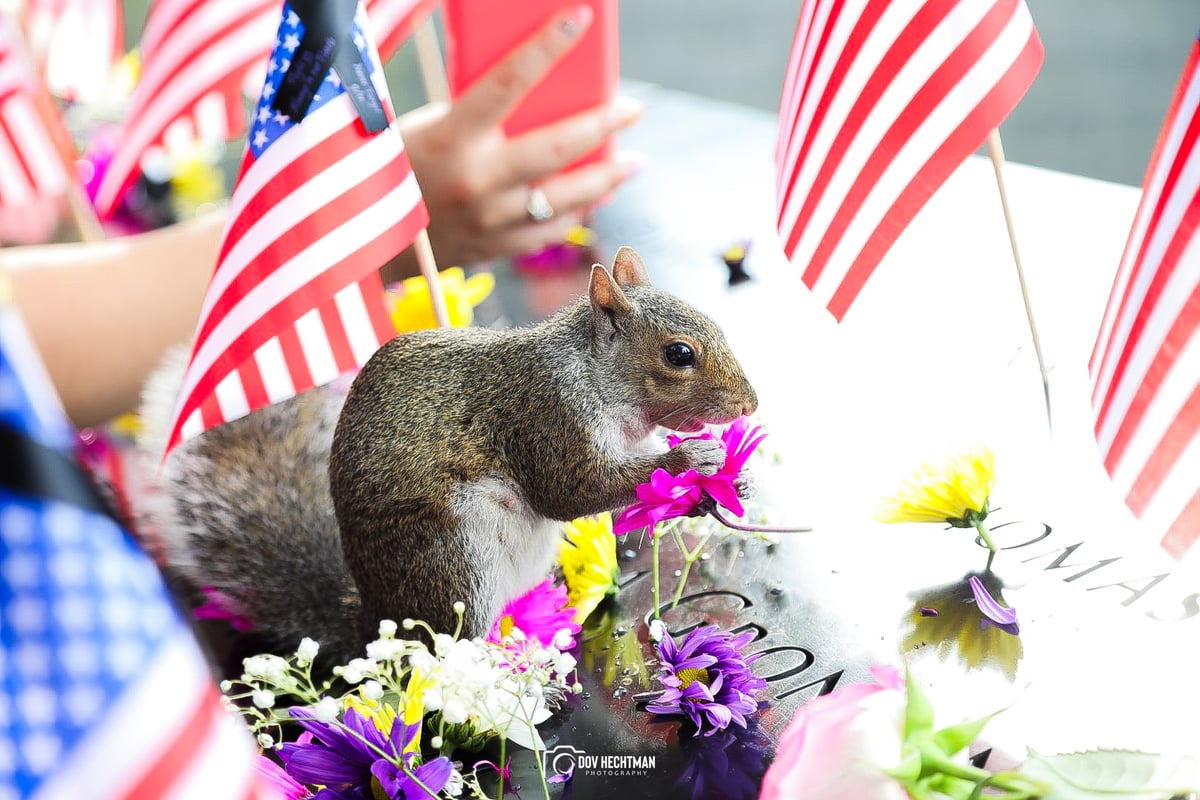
666 496
708 679
345 759
994 614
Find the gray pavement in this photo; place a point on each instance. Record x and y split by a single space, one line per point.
1095 108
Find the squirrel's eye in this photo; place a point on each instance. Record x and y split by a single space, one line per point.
679 354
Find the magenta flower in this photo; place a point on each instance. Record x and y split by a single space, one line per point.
667 496
994 614
220 606
707 679
540 614
277 778
345 760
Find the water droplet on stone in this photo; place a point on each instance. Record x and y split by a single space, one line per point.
629 555
619 692
741 553
619 632
776 590
678 573
586 695
705 556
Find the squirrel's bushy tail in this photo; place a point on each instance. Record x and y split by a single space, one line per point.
244 514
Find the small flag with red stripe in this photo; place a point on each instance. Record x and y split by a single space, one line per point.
31 166
1146 364
881 102
196 56
103 690
319 206
75 44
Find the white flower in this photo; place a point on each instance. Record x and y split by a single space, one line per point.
307 651
266 741
562 638
539 657
657 630
266 667
564 663
460 607
454 712
387 628
326 710
454 784
408 623
442 643
436 743
385 649
372 690
263 698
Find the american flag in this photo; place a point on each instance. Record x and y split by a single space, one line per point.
196 55
103 691
881 102
1146 364
197 58
75 44
31 166
318 207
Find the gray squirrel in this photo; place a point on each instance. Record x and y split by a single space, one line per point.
444 472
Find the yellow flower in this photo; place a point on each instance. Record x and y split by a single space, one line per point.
955 491
588 557
380 713
412 309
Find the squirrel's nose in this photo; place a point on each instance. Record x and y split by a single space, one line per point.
751 403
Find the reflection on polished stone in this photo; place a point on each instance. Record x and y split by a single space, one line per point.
947 618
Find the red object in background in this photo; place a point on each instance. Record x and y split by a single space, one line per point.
481 32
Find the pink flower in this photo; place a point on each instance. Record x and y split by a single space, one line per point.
540 614
838 745
667 496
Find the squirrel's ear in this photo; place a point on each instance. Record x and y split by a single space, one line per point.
629 269
608 301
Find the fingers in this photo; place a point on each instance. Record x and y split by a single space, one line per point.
486 103
571 194
548 149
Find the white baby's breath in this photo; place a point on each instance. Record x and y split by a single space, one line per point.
387 628
306 652
263 698
326 710
372 690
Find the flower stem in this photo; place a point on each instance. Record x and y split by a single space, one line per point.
689 558
748 528
503 742
655 535
1016 784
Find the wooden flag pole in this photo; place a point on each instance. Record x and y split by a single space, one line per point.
437 89
995 151
430 62
429 271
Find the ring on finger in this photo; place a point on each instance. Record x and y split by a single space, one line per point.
538 206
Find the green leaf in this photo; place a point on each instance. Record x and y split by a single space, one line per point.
918 714
954 738
1113 775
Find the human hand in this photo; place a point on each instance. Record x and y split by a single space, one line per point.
476 180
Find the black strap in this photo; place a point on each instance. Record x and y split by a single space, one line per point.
31 468
327 43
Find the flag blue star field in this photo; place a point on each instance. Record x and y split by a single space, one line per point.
325 196
103 691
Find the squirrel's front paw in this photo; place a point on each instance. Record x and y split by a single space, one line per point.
703 455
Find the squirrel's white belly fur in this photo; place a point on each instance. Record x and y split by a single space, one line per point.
506 533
